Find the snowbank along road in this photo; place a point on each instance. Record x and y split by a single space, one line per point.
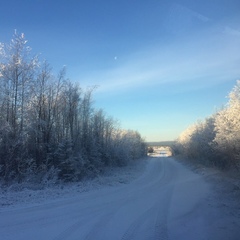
167 201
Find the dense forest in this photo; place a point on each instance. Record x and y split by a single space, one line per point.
48 125
215 141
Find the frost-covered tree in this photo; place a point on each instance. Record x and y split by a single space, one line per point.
47 122
227 127
216 140
17 77
196 141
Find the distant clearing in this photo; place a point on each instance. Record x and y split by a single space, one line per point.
163 143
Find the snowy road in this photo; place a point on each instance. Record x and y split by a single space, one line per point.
165 202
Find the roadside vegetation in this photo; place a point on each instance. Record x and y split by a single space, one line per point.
215 141
49 129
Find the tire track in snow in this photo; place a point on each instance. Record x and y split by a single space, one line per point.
152 224
69 231
161 224
139 187
135 229
100 220
97 228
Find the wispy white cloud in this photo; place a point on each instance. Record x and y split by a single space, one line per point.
207 55
231 31
180 19
187 12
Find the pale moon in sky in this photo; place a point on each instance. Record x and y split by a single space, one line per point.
115 58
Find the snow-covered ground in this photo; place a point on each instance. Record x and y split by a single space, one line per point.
25 194
159 198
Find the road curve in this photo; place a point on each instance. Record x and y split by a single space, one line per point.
166 202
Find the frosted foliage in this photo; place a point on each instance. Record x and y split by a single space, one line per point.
227 125
195 140
1 57
216 139
1 49
185 136
47 122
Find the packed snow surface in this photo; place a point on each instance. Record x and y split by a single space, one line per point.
158 199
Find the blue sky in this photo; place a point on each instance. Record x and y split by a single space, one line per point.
159 65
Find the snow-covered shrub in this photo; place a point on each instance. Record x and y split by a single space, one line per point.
50 178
